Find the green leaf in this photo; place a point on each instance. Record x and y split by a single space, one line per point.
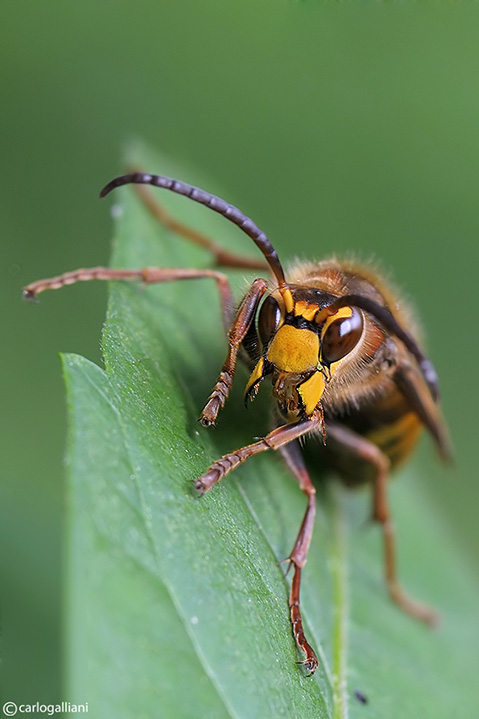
177 606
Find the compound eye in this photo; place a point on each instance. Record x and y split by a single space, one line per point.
269 320
341 337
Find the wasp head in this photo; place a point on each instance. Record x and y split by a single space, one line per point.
304 340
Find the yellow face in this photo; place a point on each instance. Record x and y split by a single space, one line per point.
294 350
303 346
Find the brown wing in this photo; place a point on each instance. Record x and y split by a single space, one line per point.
411 384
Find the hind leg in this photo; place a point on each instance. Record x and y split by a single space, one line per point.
360 448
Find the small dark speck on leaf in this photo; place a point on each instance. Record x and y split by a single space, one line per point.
360 696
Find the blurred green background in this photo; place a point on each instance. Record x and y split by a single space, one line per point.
337 127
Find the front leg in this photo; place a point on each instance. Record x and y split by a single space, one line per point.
282 438
293 457
274 440
236 334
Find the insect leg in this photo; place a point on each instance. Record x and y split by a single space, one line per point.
147 275
293 457
274 440
236 334
360 448
223 257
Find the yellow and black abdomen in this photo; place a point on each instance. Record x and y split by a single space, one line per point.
388 422
392 425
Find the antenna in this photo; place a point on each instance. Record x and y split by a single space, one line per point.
231 212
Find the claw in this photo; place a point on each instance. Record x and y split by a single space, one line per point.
290 563
310 664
